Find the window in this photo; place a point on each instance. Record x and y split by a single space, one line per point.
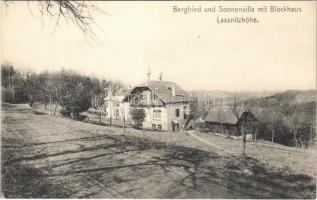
177 112
153 126
157 114
159 126
184 113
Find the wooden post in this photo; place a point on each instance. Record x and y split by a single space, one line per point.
50 100
272 136
9 82
295 139
49 106
13 93
244 137
123 119
45 102
311 135
213 136
123 125
110 112
55 107
256 132
204 127
244 140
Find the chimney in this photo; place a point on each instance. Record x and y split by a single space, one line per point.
148 73
148 76
161 76
173 90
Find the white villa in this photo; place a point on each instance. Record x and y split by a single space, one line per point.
166 105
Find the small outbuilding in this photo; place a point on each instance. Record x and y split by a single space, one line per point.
221 121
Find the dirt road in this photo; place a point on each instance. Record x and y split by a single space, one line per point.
55 157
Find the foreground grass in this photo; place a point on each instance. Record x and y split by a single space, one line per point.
55 157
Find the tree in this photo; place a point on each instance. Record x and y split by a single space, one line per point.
274 120
246 123
12 84
138 117
301 129
74 93
242 129
221 118
7 89
30 88
193 108
7 72
80 13
236 109
66 88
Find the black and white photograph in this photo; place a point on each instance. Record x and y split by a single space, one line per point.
158 99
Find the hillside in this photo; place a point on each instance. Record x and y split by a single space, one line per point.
229 96
291 102
289 113
56 157
294 96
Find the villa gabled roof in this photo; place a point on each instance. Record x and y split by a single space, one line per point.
164 90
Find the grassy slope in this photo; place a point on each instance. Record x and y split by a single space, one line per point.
57 157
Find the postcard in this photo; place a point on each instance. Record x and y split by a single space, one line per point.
158 99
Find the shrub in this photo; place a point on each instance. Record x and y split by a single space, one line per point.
138 116
74 94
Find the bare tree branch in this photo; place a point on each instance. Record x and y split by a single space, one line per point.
80 13
236 110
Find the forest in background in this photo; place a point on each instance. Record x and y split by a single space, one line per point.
72 91
287 118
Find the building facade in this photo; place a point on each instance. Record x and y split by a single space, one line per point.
224 121
113 107
166 105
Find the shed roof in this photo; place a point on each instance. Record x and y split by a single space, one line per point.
199 120
221 116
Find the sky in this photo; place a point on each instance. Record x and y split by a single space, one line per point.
278 53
